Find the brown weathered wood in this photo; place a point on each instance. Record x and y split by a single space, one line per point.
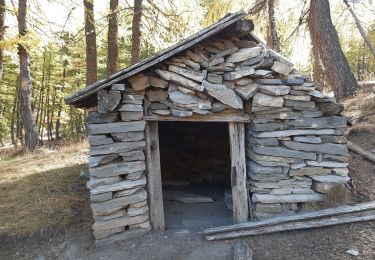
368 155
238 174
304 224
202 118
154 186
76 98
242 251
292 218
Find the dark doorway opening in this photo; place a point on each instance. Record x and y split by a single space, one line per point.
195 160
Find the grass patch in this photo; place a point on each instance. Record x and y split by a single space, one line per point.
40 191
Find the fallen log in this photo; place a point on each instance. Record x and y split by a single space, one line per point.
315 223
293 218
355 148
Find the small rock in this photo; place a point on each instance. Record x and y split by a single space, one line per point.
352 251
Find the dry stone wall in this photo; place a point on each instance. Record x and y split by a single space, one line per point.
117 166
295 145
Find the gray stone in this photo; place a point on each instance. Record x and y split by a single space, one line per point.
108 100
128 137
275 90
161 112
281 68
127 192
123 236
294 132
118 86
117 147
243 81
312 113
259 169
94 182
190 63
282 191
137 211
223 94
185 197
101 197
268 81
259 73
190 74
104 159
215 61
157 82
186 90
182 99
298 165
133 97
291 81
319 148
99 140
244 54
133 156
131 116
330 178
297 98
267 126
305 139
134 175
340 171
156 106
321 122
276 115
213 78
131 108
119 222
110 206
264 141
259 157
247 91
301 105
116 169
289 198
263 100
176 78
330 109
239 73
307 171
324 187
100 118
283 152
327 164
273 164
181 113
157 95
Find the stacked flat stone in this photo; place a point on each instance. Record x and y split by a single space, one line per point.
117 169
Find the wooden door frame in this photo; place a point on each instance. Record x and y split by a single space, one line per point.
238 173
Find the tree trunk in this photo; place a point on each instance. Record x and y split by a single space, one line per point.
272 26
136 32
91 62
318 69
324 36
31 134
2 32
112 51
59 111
360 28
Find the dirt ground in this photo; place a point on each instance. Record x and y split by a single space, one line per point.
75 241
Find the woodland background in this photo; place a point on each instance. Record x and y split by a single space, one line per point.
73 43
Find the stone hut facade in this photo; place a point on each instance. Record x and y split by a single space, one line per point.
286 138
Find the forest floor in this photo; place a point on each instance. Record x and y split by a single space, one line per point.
45 214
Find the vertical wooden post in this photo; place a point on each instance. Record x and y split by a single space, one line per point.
238 173
154 186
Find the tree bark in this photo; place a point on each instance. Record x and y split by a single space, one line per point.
2 32
91 55
31 134
112 50
324 36
360 28
275 41
136 32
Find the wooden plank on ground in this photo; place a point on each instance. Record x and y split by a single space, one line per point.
238 173
355 148
155 194
242 251
304 224
291 218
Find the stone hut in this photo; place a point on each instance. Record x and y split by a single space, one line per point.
241 114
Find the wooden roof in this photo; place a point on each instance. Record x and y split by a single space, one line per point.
87 96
